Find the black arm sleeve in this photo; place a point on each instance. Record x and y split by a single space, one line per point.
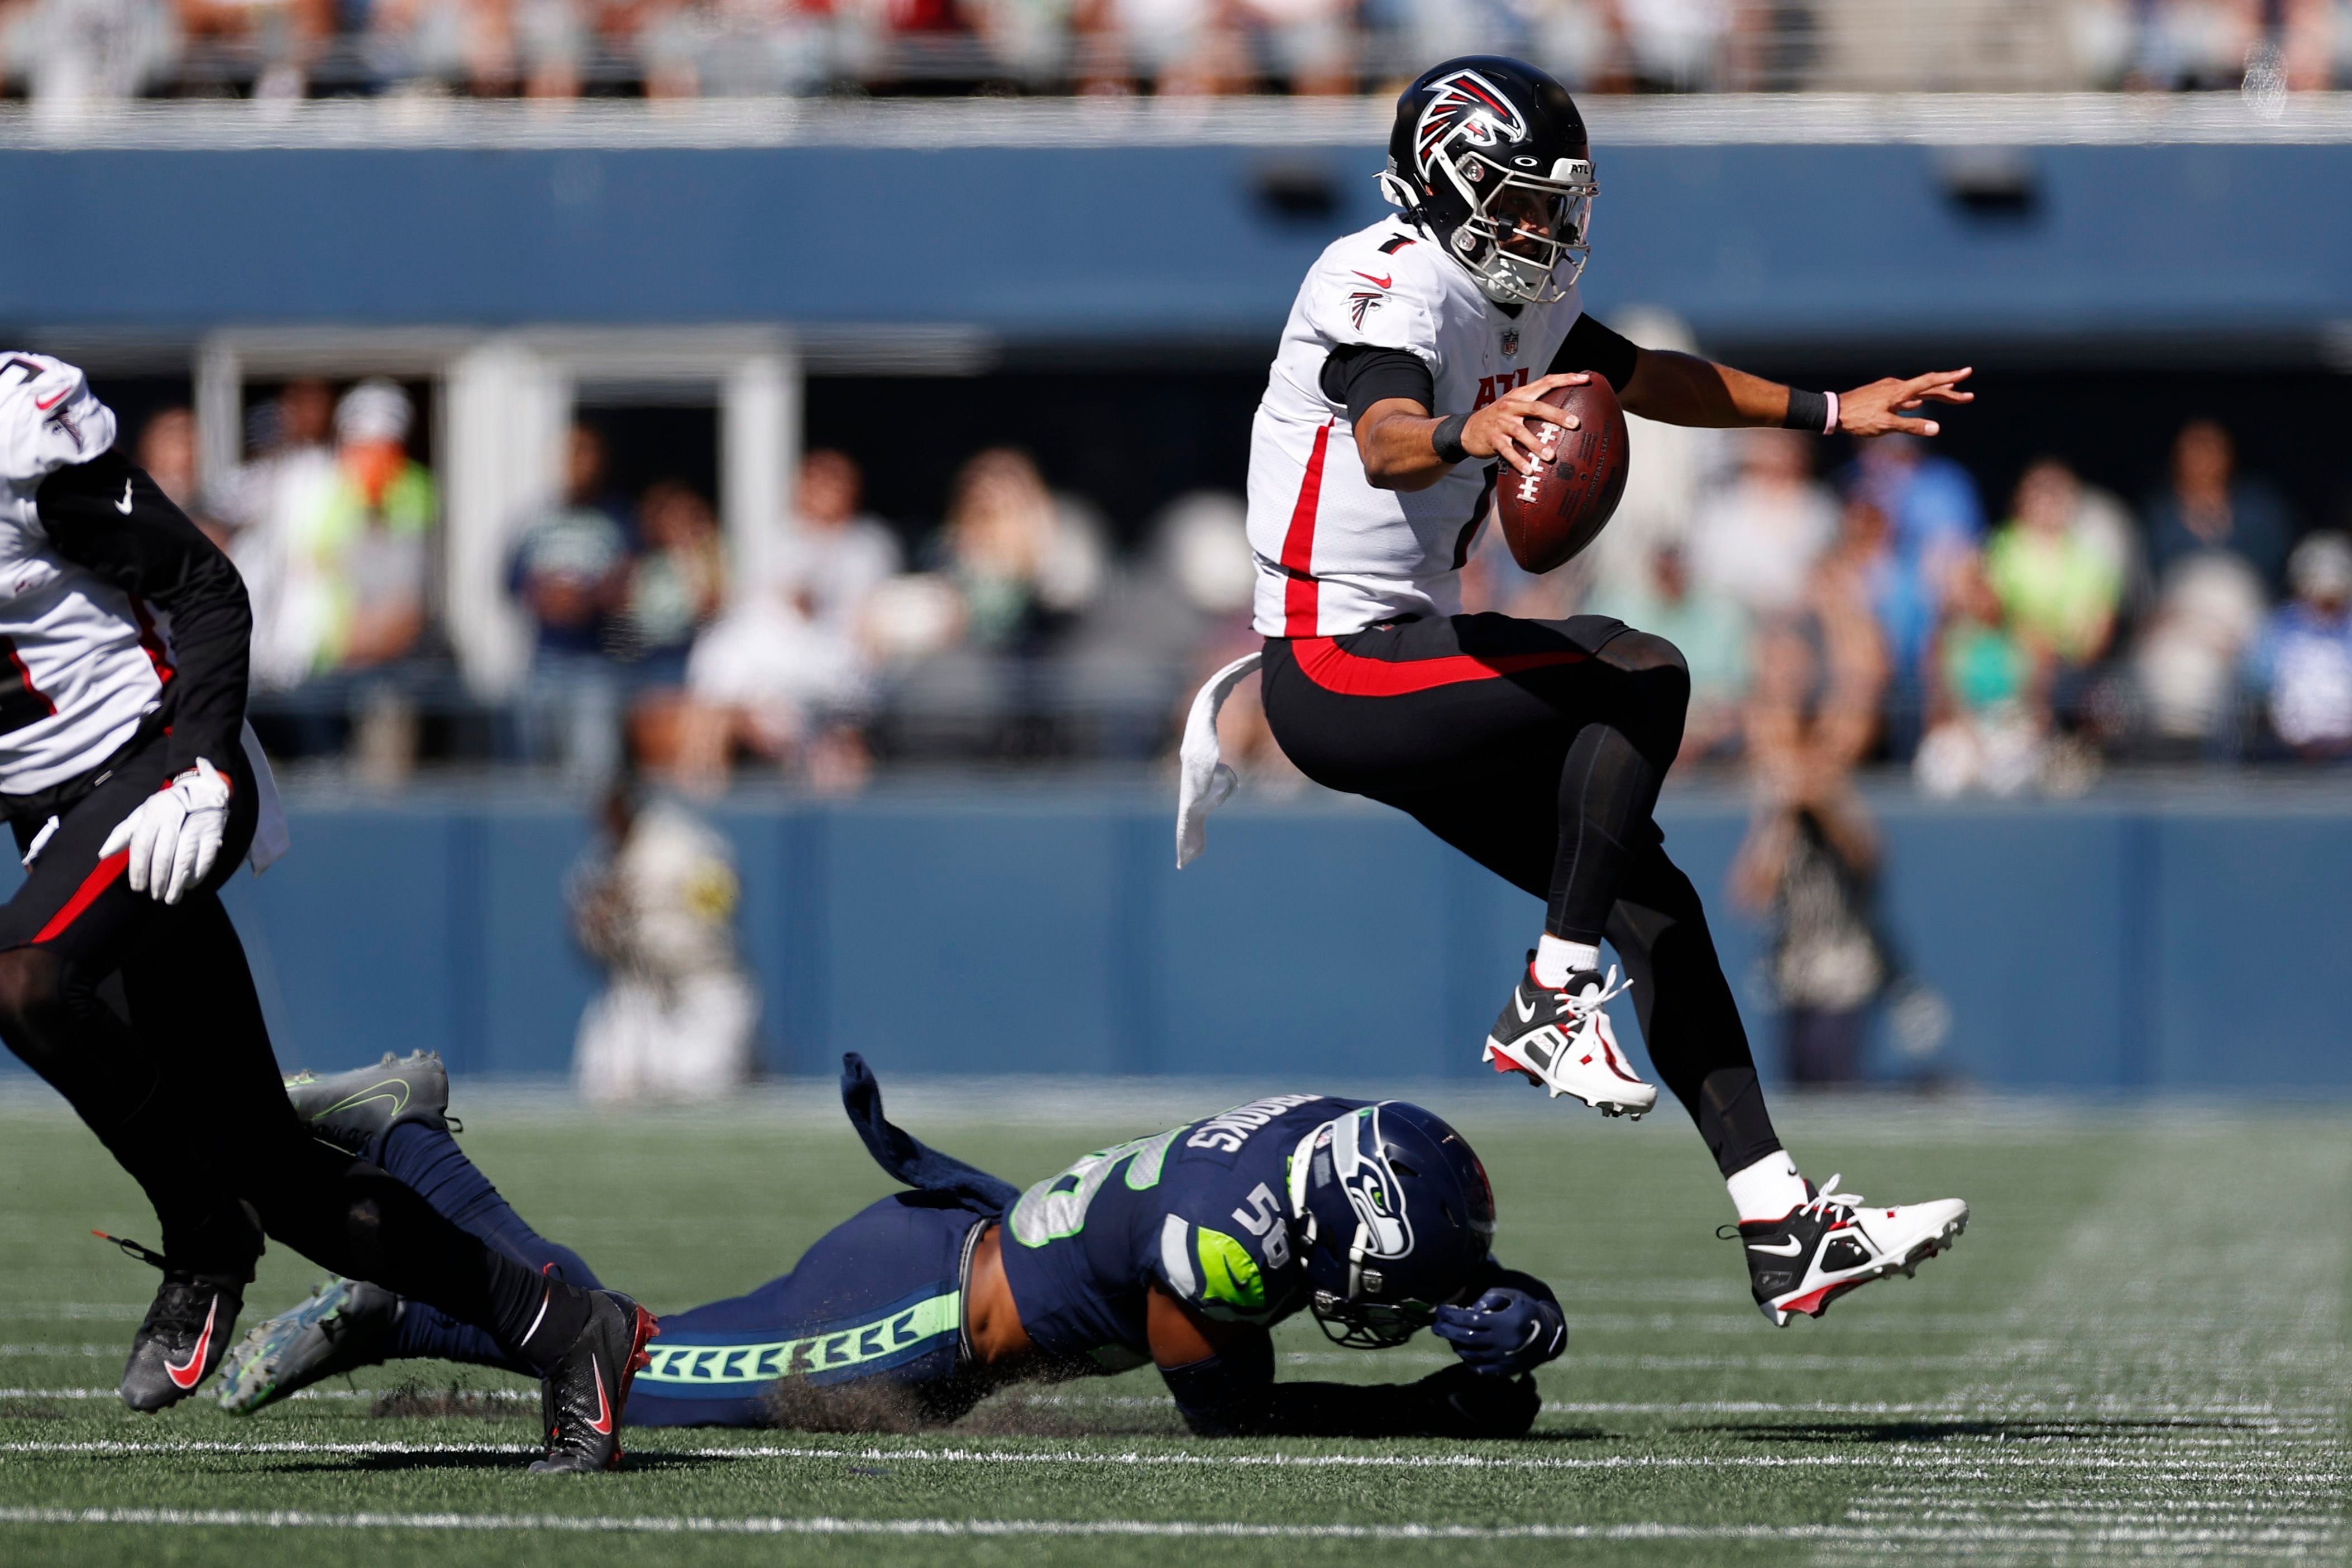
1358 375
1233 1395
153 551
1591 346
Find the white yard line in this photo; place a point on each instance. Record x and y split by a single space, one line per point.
1925 1457
823 1524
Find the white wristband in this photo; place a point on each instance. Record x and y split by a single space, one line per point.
1831 428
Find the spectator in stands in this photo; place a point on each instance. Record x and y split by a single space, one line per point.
378 527
2057 589
1025 561
1756 542
784 674
1987 713
570 573
284 36
1677 46
2210 505
2184 663
1929 502
1308 45
167 451
1713 632
738 48
2300 666
290 469
1811 858
677 587
1184 48
73 53
835 553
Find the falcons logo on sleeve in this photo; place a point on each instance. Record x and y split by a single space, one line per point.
1466 104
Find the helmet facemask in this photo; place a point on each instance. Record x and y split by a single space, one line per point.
1347 1153
1522 230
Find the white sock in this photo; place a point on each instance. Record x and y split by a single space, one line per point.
1557 960
1767 1189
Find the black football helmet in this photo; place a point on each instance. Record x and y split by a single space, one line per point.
1490 156
1393 1214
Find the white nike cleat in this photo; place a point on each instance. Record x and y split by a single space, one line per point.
1560 1037
1833 1242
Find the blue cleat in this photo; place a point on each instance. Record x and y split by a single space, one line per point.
345 1325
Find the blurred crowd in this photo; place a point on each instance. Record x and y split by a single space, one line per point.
1882 613
76 51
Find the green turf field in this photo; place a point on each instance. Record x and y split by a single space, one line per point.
2137 1351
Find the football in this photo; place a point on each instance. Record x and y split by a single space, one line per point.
1550 515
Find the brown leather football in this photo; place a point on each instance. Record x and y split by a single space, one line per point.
1550 515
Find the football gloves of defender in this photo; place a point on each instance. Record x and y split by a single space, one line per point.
175 834
1504 1333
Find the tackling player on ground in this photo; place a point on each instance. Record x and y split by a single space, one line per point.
134 787
1179 1250
1404 381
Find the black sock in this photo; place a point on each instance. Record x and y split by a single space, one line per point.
1733 1120
537 1316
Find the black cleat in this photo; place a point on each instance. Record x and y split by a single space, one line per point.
352 1110
185 1334
1834 1243
346 1324
583 1395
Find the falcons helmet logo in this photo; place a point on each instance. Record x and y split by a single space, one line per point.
1466 104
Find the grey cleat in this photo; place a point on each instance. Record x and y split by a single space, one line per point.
353 1109
345 1325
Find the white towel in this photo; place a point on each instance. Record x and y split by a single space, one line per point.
1202 779
271 839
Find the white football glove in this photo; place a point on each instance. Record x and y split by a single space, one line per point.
175 834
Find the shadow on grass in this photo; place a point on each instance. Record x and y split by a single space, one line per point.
637 1460
1841 1433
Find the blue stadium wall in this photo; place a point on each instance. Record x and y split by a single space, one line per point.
2092 947
1817 245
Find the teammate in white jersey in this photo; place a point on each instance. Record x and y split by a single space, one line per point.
1406 379
133 788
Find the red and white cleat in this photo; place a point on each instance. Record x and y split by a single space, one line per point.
1560 1037
1833 1242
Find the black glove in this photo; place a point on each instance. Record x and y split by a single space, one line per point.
1459 1402
1504 1332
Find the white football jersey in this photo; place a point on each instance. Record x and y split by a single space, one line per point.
1335 554
84 661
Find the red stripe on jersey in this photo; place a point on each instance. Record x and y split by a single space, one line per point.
18 661
1302 596
1334 669
97 882
151 641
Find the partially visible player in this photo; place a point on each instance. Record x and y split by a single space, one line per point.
1410 373
1180 1251
134 787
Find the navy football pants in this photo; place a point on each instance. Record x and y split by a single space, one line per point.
877 1302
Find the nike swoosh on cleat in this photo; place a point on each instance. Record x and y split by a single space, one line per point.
1527 1011
392 1088
603 1424
1789 1249
188 1376
123 506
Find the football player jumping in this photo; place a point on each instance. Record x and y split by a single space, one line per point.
1180 1251
134 787
1537 748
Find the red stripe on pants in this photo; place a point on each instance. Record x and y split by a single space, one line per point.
1334 669
1302 596
97 882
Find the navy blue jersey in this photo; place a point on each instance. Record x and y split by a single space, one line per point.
1201 1210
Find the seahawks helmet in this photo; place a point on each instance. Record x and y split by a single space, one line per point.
1489 155
1393 1214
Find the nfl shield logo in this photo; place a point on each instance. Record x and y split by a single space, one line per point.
1510 343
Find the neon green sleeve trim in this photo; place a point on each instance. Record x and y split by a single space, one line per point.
1228 1273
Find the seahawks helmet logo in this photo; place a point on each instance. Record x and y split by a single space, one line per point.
1463 103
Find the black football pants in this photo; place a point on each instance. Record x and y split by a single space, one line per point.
1537 748
144 1015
